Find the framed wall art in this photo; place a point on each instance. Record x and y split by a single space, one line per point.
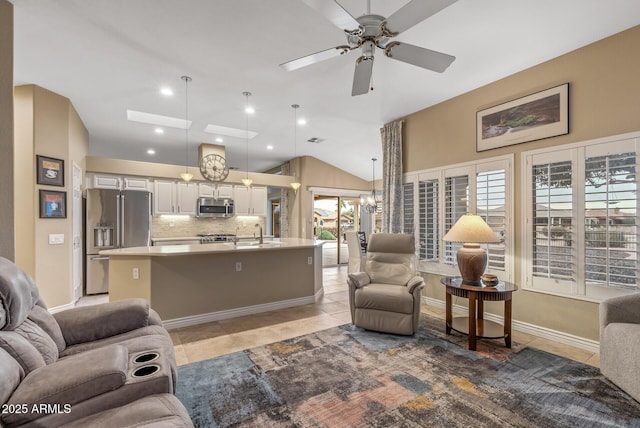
53 204
533 117
50 171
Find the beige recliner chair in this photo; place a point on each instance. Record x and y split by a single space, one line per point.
385 296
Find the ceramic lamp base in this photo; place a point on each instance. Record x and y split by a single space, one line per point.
472 261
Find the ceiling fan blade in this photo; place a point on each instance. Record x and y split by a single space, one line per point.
315 57
425 58
362 76
334 13
413 13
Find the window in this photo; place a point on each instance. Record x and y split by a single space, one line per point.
407 208
582 217
444 195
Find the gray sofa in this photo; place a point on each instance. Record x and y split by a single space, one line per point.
386 295
620 342
87 363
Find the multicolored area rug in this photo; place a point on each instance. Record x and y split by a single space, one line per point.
349 377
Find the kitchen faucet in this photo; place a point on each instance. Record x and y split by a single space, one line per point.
261 239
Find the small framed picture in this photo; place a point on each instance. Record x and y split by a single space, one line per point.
50 171
53 204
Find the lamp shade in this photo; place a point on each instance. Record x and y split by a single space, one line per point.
471 228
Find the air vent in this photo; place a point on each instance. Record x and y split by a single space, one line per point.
315 140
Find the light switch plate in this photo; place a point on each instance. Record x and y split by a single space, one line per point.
56 238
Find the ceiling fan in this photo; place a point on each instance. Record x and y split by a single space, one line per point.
370 31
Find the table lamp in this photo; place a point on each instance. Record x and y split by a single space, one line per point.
471 230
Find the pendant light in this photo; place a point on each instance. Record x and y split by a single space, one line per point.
371 204
186 175
295 185
247 181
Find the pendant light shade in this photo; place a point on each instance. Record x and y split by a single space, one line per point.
186 175
248 110
295 185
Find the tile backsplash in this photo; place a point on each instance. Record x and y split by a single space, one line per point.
173 227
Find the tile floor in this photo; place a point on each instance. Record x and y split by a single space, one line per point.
212 339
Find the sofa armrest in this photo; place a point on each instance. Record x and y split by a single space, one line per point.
624 309
69 381
90 323
414 283
358 279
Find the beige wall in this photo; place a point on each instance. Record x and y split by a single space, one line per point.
46 124
603 101
6 131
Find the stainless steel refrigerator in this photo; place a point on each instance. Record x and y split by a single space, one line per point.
115 219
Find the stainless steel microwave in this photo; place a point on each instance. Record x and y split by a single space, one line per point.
211 207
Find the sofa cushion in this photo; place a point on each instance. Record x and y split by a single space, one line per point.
384 297
21 350
39 339
18 294
157 411
11 374
48 323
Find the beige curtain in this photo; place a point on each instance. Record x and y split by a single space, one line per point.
391 135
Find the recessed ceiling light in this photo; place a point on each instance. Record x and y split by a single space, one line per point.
156 119
166 91
249 110
151 152
302 121
219 140
159 131
269 147
229 132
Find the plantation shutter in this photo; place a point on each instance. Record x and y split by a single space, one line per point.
408 213
456 197
491 206
611 216
428 220
553 246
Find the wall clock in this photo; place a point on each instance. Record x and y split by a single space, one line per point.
213 168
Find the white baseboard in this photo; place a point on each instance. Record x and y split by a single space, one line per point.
62 308
239 312
532 329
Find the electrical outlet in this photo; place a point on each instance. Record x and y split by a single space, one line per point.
136 273
238 266
309 260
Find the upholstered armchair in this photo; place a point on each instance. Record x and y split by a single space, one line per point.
620 342
385 295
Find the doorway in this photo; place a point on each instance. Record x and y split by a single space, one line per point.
333 216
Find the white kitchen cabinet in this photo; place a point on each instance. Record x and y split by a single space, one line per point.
250 200
107 182
164 197
217 191
135 183
187 193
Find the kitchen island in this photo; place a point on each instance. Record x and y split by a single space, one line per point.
193 284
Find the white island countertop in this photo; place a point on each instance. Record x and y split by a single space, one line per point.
218 247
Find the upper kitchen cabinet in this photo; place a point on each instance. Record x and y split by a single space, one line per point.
170 197
105 181
250 200
187 194
164 197
217 191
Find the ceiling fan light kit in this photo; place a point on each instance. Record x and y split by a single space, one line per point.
370 31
